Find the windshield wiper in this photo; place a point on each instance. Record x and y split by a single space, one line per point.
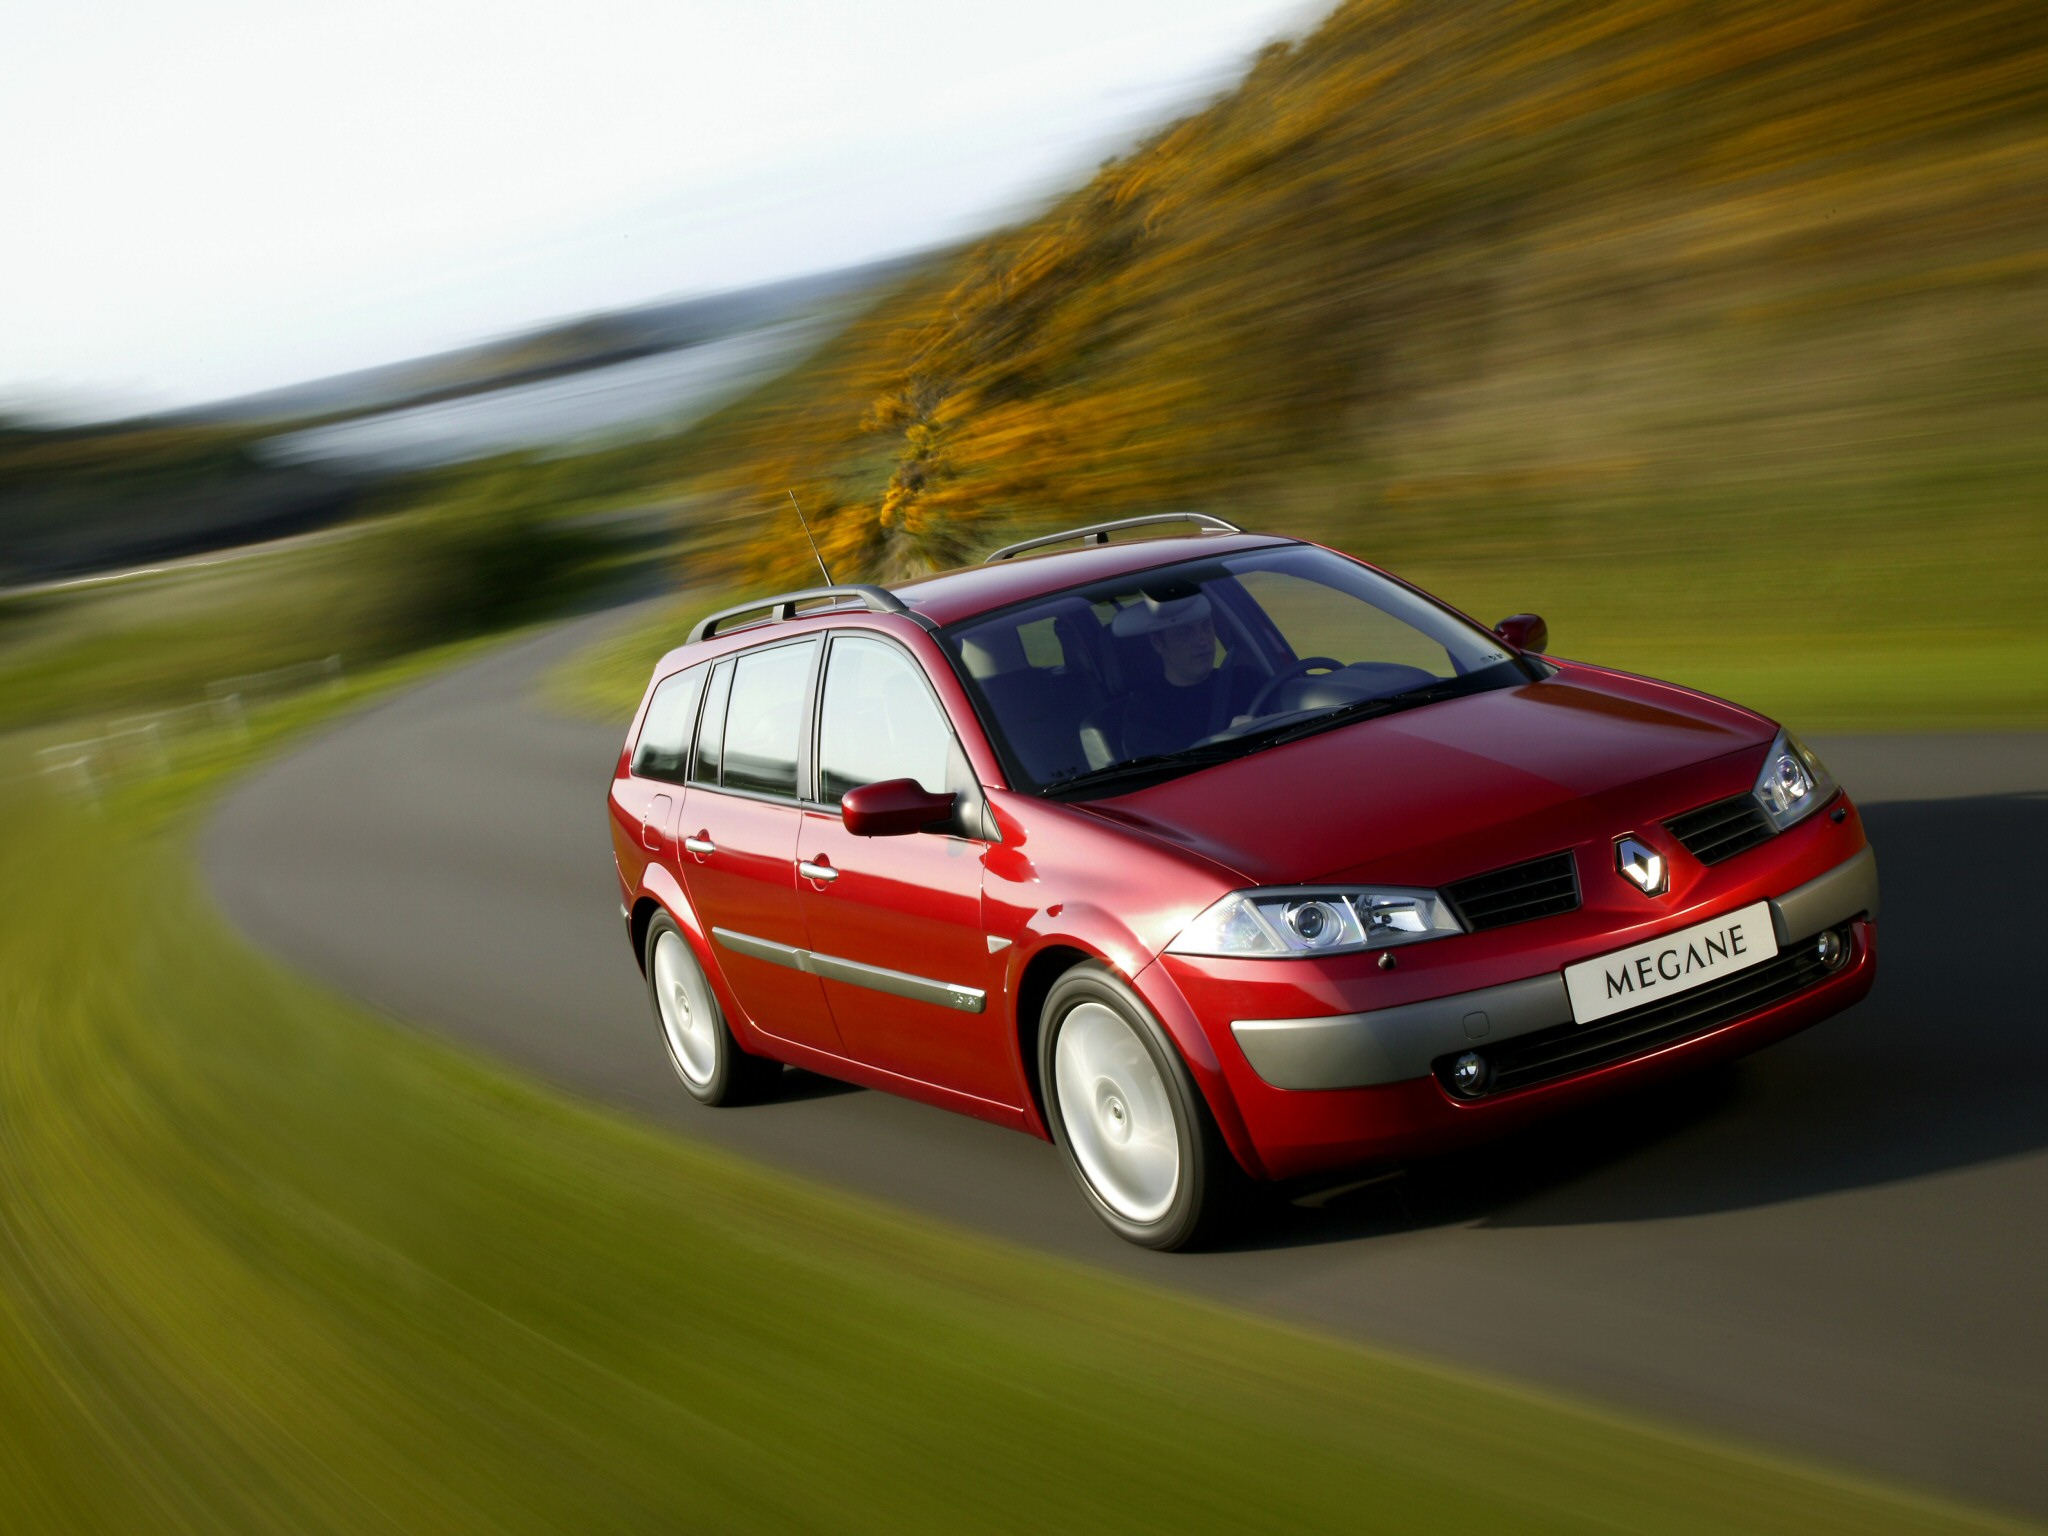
1184 761
1190 758
1365 709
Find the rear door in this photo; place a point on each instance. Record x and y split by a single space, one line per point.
894 923
739 837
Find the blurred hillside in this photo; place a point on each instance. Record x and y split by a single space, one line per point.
90 498
99 496
591 341
1686 321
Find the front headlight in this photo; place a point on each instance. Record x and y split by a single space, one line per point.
1793 783
1305 920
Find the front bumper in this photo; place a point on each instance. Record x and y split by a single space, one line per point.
1391 1045
1364 1043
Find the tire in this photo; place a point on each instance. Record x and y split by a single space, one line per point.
1129 1122
699 1042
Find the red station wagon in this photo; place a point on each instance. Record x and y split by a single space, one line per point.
1214 859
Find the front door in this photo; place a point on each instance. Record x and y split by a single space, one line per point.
894 923
737 840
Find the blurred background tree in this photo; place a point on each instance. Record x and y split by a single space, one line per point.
480 550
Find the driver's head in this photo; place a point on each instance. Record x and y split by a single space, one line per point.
1181 628
1188 651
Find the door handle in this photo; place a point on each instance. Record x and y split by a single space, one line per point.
812 871
703 847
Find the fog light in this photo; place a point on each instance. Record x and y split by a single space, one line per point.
1469 1075
1832 951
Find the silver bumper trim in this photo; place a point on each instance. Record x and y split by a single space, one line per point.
1843 892
1393 1045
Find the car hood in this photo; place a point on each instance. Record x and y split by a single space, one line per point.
1442 790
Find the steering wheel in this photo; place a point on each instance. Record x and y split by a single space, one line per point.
1301 668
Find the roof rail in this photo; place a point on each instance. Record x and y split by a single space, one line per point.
1099 533
784 606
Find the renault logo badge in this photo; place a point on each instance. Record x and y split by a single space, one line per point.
1642 866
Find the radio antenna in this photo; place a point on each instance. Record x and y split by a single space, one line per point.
813 542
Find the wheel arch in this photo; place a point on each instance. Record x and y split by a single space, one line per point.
644 909
660 891
1044 967
1034 984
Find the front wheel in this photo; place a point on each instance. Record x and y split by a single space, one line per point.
701 1048
1130 1122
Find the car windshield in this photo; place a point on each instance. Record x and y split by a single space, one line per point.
1098 689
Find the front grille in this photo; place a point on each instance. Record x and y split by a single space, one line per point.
1540 888
1549 1054
1722 830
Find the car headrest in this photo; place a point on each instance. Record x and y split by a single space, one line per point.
1149 615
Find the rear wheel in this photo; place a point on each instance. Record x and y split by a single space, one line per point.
1123 1110
700 1044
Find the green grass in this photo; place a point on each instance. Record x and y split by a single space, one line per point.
1814 670
156 640
269 1263
1833 608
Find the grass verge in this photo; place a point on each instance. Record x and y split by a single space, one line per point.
268 1263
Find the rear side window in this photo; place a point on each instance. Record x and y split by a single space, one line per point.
664 747
878 721
711 734
764 723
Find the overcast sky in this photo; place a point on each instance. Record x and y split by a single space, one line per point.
207 197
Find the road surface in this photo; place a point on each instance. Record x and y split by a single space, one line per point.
1835 1249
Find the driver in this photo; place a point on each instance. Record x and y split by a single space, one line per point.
1194 698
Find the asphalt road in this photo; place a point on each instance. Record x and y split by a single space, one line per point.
1836 1248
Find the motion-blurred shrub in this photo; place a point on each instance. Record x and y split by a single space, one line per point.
481 552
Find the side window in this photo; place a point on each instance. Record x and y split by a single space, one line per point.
664 747
764 724
878 721
711 734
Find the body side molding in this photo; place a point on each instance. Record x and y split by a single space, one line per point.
923 989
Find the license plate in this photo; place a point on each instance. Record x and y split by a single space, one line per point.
1667 966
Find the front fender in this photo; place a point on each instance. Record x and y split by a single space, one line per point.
1101 936
1118 896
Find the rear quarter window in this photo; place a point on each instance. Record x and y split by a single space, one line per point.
663 751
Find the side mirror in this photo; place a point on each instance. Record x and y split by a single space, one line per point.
892 808
1525 632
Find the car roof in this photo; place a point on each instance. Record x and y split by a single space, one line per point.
950 596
